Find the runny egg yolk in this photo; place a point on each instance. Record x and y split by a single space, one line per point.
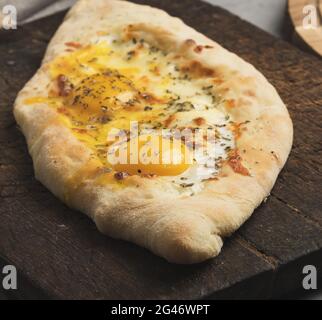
102 93
106 91
151 155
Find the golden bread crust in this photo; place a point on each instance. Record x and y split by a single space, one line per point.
149 212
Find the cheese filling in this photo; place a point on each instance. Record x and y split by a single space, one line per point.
109 85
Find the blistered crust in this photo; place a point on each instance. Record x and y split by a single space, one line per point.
150 212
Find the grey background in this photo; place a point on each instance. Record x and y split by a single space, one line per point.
266 14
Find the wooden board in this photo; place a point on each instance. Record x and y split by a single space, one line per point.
307 38
60 254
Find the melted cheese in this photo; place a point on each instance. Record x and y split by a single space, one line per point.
115 82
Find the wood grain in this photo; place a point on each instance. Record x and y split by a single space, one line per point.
59 252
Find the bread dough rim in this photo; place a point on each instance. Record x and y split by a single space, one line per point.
182 230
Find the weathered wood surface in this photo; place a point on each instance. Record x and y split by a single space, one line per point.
60 254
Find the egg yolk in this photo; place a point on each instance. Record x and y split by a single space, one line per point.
150 155
102 93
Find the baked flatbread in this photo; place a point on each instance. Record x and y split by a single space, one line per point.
114 68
